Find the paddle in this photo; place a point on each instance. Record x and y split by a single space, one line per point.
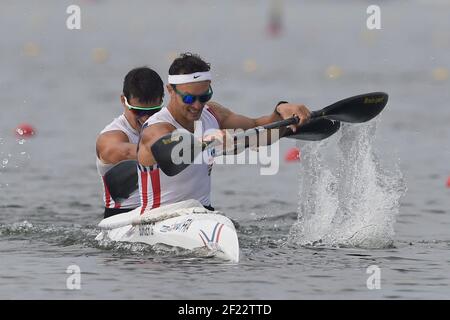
175 144
314 130
356 109
122 180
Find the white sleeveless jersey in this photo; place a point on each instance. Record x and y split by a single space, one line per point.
194 182
120 124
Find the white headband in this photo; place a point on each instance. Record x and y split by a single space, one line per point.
187 78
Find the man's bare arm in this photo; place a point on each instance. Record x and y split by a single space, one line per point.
114 146
230 120
148 137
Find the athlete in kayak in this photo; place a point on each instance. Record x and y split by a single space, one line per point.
190 90
143 92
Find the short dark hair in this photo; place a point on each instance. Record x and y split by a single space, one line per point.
188 63
144 84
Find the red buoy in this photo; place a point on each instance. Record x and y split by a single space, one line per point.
293 154
448 182
25 130
275 18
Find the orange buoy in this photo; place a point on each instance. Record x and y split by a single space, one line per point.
25 130
293 154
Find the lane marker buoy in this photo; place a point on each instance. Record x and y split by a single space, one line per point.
25 130
292 155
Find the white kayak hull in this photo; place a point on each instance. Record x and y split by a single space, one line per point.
191 228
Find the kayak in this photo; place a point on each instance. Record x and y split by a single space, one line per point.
187 225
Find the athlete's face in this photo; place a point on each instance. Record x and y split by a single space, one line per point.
190 111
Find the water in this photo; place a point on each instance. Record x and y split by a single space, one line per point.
373 194
353 205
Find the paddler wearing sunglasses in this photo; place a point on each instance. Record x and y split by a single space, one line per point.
143 92
190 89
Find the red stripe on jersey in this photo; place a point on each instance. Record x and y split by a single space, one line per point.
156 186
107 194
144 187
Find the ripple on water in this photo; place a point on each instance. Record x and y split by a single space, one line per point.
11 206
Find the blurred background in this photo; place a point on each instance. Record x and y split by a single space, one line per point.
66 85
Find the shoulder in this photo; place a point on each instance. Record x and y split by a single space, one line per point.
109 140
154 131
218 108
112 136
219 111
115 124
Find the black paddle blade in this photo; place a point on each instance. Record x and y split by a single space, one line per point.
175 151
314 130
122 180
357 109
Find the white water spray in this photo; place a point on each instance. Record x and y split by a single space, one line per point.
354 203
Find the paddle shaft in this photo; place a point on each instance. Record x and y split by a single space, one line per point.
356 109
254 131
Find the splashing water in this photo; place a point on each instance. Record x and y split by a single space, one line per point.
353 205
13 155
